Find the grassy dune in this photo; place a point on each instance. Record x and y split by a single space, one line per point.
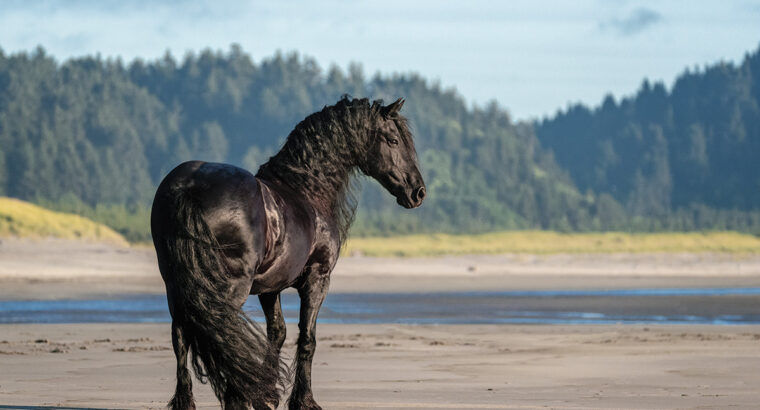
542 242
25 220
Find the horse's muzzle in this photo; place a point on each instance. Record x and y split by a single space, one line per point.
412 200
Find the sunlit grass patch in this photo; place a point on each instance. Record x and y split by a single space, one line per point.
23 219
544 242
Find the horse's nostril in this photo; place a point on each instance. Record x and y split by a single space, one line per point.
419 194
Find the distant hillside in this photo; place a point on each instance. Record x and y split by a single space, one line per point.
94 137
90 136
22 219
684 158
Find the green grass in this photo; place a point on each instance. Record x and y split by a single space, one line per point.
23 219
543 242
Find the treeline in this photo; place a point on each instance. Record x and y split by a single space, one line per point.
682 159
96 136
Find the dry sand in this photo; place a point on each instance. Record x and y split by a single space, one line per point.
396 366
50 269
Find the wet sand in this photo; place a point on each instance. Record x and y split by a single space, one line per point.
398 366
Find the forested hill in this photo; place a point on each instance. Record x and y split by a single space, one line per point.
95 136
683 158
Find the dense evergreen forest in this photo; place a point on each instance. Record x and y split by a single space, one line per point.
681 159
95 137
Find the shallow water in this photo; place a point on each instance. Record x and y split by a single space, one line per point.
717 306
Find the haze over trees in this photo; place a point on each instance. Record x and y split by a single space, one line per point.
95 137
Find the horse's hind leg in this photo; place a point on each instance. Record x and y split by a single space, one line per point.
270 303
183 396
312 295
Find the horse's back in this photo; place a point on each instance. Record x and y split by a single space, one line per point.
222 192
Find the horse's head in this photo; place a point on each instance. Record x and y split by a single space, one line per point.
391 158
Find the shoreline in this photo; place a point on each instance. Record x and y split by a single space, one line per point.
56 269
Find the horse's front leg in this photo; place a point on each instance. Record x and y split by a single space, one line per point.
312 293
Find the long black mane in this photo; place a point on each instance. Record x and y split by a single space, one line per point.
320 156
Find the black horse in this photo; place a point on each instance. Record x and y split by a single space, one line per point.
222 234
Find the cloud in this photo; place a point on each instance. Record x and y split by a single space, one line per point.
634 23
753 8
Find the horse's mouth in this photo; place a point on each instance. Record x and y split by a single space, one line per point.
411 199
404 201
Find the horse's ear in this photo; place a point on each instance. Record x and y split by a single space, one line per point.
392 109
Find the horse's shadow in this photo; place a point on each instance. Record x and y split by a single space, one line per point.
12 407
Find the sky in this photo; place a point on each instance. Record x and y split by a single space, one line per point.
531 56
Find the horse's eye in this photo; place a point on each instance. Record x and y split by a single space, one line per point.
392 141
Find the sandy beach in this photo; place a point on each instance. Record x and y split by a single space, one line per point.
388 366
396 367
52 269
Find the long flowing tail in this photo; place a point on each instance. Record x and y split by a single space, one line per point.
227 348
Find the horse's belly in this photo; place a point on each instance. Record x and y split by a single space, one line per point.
277 277
284 271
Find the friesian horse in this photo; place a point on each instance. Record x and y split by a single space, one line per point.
222 234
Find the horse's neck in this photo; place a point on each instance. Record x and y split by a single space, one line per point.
277 197
322 185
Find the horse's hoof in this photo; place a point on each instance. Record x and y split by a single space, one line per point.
190 406
183 403
313 406
305 404
265 404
